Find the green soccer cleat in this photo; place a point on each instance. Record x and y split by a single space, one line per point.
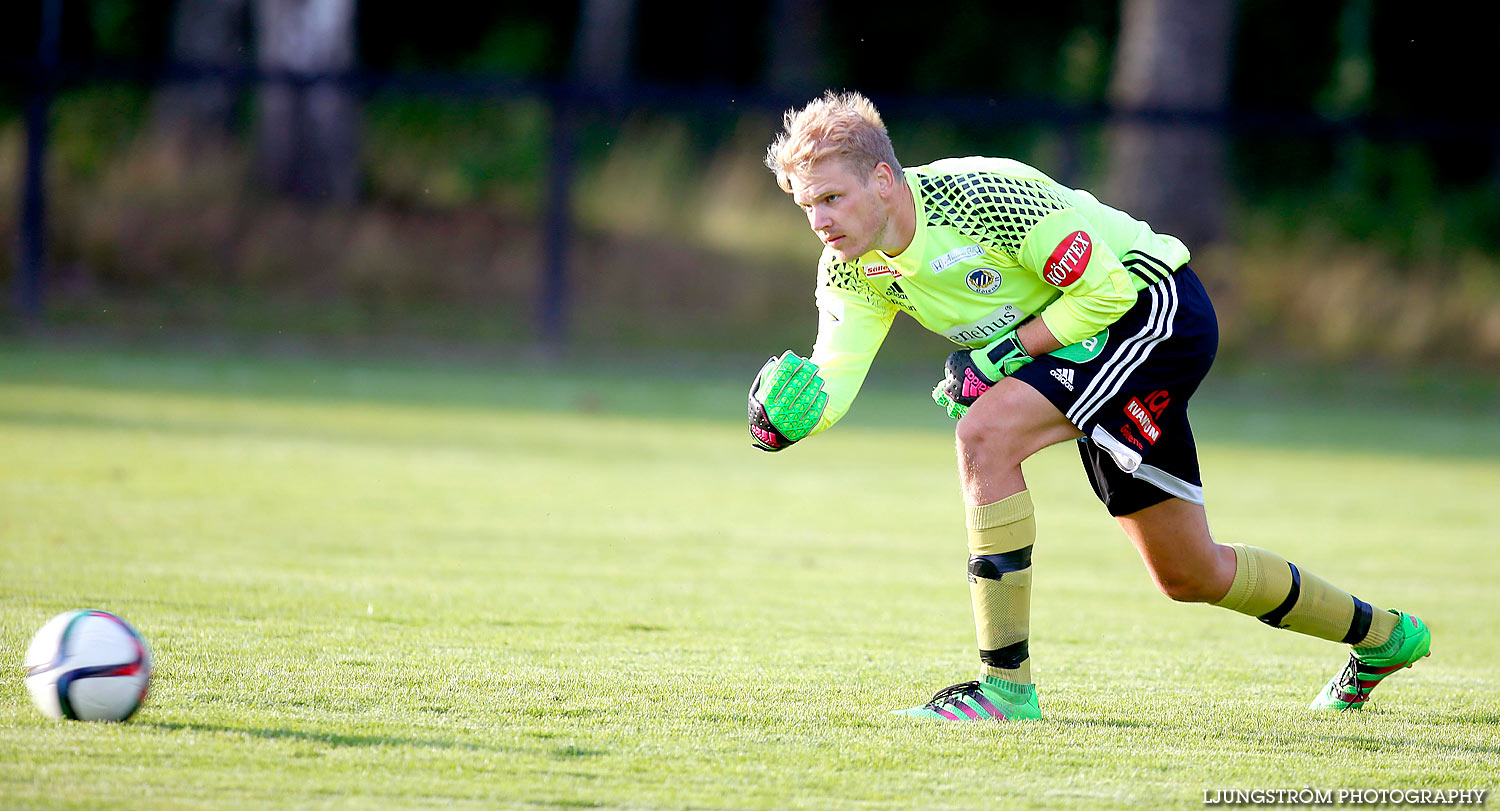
1350 689
984 700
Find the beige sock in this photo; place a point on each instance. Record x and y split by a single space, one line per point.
1000 540
1281 595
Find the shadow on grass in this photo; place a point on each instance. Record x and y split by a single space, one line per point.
1286 407
229 428
1088 723
1486 720
1378 744
571 751
335 739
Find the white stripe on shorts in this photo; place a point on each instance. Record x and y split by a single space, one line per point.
1129 461
1132 353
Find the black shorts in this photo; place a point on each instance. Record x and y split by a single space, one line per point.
1130 401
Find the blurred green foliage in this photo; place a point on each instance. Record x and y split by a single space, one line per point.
682 238
673 208
91 125
443 152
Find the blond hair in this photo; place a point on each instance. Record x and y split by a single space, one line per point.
842 125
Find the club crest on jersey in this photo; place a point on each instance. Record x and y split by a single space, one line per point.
983 281
1068 259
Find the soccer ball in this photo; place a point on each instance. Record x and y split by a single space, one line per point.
87 665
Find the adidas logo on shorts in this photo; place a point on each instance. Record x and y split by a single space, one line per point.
1065 377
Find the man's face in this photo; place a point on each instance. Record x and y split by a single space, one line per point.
845 208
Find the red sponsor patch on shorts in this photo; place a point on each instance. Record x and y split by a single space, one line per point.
1157 402
1068 259
1142 419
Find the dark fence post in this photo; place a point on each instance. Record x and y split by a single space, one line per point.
30 278
557 229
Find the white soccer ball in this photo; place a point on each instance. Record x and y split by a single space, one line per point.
88 665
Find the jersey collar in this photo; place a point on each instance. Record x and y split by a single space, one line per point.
910 260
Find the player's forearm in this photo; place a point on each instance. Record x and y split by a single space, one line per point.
1037 338
850 333
843 377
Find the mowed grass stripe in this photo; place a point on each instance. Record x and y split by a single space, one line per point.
364 593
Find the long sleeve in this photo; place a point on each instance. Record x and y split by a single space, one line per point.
853 321
1070 254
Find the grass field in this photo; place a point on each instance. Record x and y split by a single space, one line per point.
404 583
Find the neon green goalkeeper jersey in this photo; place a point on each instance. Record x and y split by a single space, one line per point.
996 243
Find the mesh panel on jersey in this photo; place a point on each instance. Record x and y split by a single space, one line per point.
849 277
991 209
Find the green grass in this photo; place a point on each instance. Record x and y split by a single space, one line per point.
480 584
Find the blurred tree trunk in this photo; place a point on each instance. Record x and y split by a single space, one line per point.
307 133
600 66
794 63
601 57
205 34
1173 58
1351 90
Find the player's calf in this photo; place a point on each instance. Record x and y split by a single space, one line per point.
1268 587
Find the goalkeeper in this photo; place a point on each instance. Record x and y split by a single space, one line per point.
1076 322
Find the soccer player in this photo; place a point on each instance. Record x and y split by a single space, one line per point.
1077 322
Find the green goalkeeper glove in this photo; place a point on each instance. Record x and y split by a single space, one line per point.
786 402
971 372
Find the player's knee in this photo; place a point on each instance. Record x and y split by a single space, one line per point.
984 436
973 430
1188 586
